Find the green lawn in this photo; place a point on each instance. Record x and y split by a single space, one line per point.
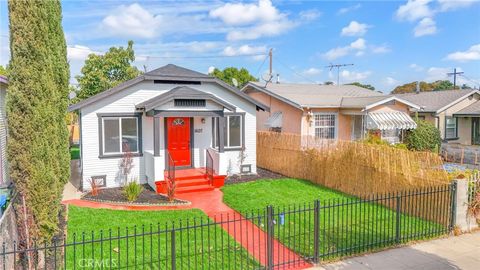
74 152
203 247
346 225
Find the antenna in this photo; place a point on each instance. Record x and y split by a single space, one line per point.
338 66
454 73
235 82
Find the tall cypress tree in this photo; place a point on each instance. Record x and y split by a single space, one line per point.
36 109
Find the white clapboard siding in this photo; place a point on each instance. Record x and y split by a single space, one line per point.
124 102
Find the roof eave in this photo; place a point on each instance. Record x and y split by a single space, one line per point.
456 101
270 93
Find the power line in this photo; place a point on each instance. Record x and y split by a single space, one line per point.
260 67
296 73
338 66
470 80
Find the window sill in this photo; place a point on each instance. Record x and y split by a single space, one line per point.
452 139
233 149
119 155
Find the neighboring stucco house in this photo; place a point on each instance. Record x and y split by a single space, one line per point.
3 131
344 112
456 113
170 114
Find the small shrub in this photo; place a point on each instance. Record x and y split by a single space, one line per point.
94 187
132 190
401 146
426 137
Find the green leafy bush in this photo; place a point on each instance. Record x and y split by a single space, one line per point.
426 137
132 190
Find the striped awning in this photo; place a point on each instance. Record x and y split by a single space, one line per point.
275 120
390 120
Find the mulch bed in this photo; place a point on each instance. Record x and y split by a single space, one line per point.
261 174
147 197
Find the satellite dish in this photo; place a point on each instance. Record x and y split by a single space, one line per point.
72 95
235 82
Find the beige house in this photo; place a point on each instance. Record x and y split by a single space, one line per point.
343 112
456 113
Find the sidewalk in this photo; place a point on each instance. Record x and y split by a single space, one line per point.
462 252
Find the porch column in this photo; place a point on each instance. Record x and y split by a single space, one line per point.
156 136
221 134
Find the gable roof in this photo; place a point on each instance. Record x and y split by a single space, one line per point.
3 79
314 95
367 103
167 72
437 101
182 92
473 109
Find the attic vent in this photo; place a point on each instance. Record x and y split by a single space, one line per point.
190 103
175 82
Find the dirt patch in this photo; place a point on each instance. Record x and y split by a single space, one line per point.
261 174
148 196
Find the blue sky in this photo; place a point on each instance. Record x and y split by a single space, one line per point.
389 42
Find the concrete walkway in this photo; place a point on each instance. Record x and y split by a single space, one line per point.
462 252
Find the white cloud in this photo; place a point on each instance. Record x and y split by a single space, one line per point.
79 52
425 27
473 53
414 10
416 67
440 73
348 9
244 50
211 69
310 15
390 81
358 44
355 29
446 5
253 20
242 14
356 47
312 71
380 49
131 21
351 76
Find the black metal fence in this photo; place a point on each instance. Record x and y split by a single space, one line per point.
271 238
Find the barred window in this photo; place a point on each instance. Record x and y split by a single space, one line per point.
325 126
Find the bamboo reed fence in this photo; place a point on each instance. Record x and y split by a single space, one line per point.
355 168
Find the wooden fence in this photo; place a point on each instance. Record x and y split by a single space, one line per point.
355 168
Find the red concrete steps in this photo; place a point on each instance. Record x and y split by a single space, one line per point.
199 188
191 180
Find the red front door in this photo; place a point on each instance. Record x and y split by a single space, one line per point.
178 140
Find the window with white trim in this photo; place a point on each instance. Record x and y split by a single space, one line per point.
325 125
120 135
233 131
450 127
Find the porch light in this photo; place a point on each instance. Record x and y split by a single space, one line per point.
203 120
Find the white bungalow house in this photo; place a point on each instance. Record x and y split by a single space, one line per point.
170 115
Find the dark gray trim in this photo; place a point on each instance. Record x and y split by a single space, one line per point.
182 92
242 146
159 113
101 177
81 149
105 93
156 136
100 133
221 135
467 115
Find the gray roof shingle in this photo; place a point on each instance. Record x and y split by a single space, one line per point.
316 95
172 70
433 101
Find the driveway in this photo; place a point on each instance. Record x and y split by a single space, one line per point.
461 252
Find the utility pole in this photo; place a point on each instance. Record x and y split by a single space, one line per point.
338 66
455 73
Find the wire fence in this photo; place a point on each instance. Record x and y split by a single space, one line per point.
278 237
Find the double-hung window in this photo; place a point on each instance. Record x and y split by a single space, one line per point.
119 134
233 131
325 125
451 127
